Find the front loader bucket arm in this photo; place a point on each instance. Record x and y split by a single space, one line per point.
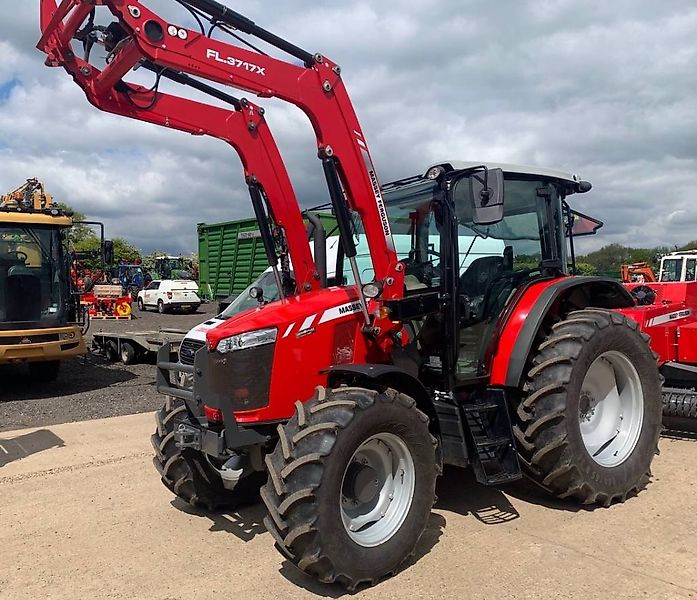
244 127
315 87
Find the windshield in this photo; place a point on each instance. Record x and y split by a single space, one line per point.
518 242
671 269
33 287
244 301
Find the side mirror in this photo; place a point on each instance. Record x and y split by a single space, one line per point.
486 195
108 252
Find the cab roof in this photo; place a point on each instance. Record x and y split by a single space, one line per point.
511 168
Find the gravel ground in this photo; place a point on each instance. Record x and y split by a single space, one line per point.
90 387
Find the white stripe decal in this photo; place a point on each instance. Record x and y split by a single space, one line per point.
340 311
290 328
673 316
307 323
358 133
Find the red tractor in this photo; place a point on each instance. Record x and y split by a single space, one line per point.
455 334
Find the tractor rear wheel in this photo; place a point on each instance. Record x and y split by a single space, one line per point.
188 474
351 484
589 421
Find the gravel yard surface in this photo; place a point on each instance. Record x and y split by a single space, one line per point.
90 387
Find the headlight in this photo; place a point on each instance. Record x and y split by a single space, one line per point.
250 339
66 336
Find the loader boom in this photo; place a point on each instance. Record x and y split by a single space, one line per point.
315 87
244 128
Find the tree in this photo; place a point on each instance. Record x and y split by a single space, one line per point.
584 268
124 251
78 233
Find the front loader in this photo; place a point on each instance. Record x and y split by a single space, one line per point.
348 400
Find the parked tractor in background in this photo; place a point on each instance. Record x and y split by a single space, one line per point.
40 317
173 267
348 400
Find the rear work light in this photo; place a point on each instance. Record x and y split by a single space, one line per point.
214 415
169 295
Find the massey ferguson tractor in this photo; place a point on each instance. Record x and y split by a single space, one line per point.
341 404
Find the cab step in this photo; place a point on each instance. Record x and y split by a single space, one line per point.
494 457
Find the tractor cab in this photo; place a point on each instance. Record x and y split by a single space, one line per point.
448 251
678 266
33 288
40 317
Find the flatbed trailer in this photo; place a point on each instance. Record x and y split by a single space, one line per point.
130 346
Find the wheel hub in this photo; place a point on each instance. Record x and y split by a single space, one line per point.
611 409
377 489
361 483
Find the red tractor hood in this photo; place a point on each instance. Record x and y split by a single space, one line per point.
294 315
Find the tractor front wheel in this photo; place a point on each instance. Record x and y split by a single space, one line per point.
188 474
589 421
351 484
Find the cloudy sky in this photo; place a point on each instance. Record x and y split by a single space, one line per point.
607 90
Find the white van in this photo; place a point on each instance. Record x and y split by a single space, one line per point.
168 294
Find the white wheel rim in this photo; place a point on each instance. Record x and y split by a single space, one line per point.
611 409
383 469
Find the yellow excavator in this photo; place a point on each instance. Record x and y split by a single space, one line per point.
41 322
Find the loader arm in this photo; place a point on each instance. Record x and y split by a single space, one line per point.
315 87
244 128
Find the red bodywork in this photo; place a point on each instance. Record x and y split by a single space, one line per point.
512 323
315 330
670 321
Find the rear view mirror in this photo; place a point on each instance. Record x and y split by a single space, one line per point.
108 252
486 195
478 195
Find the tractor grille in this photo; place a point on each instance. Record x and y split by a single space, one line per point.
242 378
33 339
188 349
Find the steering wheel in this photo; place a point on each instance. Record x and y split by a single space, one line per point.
23 256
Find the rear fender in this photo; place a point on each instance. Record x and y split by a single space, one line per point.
536 305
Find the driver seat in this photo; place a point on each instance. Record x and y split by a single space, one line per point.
475 280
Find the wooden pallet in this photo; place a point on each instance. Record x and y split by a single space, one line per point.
111 317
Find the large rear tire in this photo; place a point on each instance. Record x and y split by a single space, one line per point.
187 473
589 422
351 484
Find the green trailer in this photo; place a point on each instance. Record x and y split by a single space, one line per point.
231 255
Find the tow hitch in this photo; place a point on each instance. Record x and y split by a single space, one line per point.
186 436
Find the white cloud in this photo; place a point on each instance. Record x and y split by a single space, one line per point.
605 90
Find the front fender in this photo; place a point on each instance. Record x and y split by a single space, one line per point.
523 320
